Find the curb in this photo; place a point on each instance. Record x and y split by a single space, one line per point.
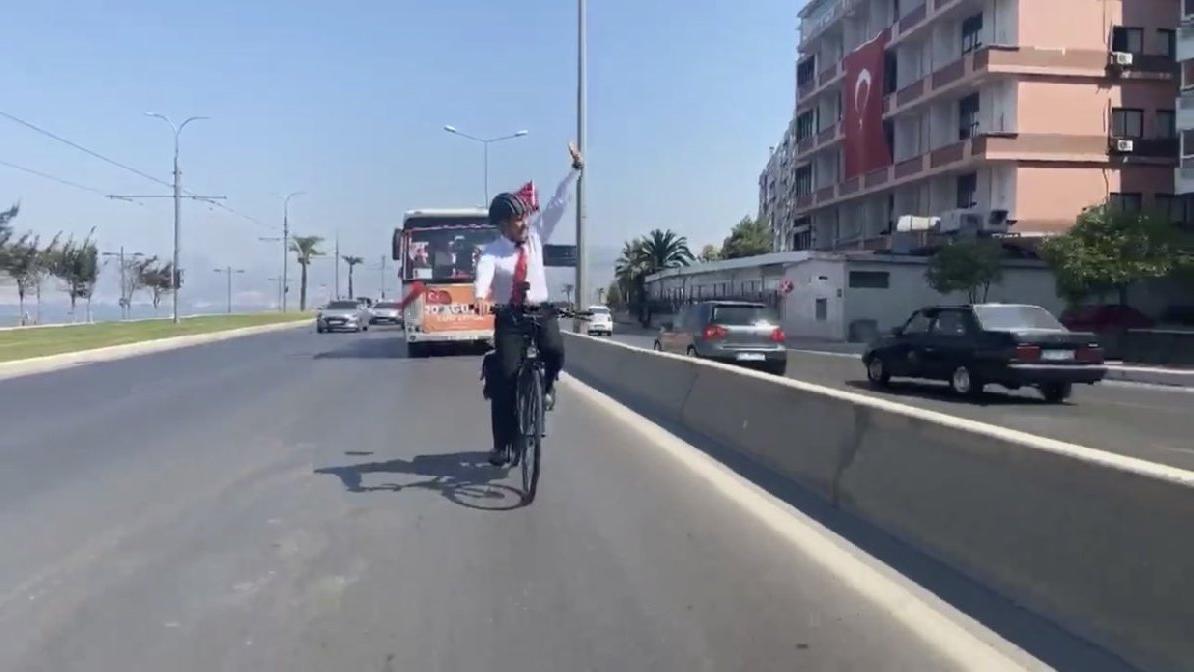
1151 375
34 365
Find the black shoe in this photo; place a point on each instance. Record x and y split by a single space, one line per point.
499 457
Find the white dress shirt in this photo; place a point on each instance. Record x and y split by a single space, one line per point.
495 268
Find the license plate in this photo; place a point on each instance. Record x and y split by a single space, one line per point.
1057 355
751 357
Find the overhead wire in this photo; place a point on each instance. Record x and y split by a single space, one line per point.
59 180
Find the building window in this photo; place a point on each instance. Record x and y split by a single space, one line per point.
806 125
1126 203
891 72
1187 144
869 279
802 241
967 186
1130 40
806 71
971 29
1187 73
1166 125
1167 39
1168 207
968 117
804 180
822 310
1127 123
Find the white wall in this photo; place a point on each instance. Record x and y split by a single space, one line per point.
907 291
812 280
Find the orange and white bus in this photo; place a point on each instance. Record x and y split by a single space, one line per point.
437 252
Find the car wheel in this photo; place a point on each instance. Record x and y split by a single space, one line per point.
658 347
364 328
963 381
877 373
319 330
1055 393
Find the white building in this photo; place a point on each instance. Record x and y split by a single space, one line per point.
841 296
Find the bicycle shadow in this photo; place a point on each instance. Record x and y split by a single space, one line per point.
464 478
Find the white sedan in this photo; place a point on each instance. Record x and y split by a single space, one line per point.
601 323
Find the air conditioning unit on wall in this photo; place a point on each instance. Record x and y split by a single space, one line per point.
1125 146
962 218
1121 58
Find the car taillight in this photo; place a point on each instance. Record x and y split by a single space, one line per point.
1089 354
1028 353
778 336
714 332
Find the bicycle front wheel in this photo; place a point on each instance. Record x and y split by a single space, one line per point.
530 425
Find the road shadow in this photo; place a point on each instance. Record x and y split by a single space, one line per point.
465 478
992 396
355 347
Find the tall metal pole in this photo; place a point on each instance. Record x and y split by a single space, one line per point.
485 142
124 305
582 283
337 263
383 276
286 246
174 281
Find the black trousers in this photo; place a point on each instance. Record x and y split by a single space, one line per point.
502 376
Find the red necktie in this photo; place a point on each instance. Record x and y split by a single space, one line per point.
520 275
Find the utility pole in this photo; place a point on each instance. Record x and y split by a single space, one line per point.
582 284
125 298
337 263
228 270
286 245
383 276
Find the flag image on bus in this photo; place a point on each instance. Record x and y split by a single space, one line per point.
437 253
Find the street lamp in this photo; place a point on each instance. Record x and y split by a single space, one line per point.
286 244
177 196
486 142
229 271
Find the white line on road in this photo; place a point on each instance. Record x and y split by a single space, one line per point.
926 617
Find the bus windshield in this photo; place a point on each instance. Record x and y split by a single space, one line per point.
445 253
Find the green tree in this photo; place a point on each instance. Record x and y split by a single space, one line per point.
709 253
747 239
305 249
6 217
351 261
24 261
966 267
159 279
76 264
613 296
657 251
1110 250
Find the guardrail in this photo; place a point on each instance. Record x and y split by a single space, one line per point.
1097 542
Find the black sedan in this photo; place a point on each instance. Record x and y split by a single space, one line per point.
971 346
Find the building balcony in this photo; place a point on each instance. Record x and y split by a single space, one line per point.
827 80
995 148
1024 61
825 138
1184 176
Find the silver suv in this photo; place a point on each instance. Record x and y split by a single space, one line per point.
732 332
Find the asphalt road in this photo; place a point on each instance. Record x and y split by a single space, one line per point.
1145 421
302 502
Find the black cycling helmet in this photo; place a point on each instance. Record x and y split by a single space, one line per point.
504 207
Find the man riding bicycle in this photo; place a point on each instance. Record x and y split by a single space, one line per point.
510 273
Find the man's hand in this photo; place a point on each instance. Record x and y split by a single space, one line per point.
578 161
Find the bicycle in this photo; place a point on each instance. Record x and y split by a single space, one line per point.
529 390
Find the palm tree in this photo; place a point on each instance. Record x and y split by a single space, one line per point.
665 249
305 249
351 261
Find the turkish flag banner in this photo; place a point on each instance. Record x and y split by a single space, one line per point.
866 147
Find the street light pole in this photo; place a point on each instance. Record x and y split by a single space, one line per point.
383 276
229 271
174 281
485 142
286 245
582 283
125 299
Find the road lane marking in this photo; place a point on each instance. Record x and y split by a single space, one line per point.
927 618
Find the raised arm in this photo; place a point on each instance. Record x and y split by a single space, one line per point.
553 212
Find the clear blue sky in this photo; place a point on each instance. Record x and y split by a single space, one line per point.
347 100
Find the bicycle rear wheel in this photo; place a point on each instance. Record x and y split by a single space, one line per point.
530 426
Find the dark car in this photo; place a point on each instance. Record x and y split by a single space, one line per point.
971 346
1105 318
732 332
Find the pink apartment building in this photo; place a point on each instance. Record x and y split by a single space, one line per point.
1009 114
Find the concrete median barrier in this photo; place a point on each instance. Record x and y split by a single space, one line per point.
1097 542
